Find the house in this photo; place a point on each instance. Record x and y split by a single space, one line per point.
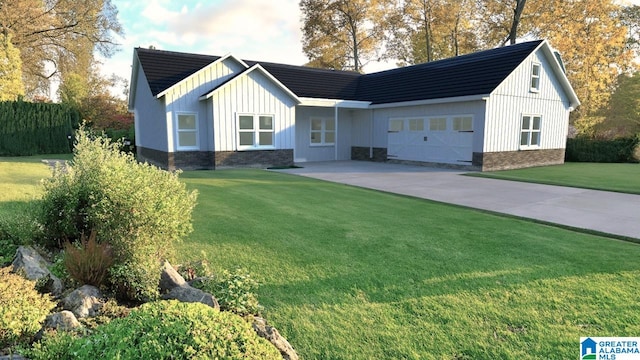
496 109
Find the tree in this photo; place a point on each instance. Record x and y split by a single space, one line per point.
622 116
341 34
58 36
11 87
593 45
501 21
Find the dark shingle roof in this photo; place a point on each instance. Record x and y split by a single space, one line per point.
474 74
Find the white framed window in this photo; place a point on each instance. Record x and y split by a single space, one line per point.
396 125
530 131
463 123
255 131
536 68
438 124
323 131
416 124
187 131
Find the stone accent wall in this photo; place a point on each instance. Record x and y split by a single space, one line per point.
362 153
197 160
254 158
518 159
461 166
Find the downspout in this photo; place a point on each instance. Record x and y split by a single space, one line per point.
335 119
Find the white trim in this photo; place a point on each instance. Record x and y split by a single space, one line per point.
256 132
177 131
431 101
319 102
221 59
323 131
259 68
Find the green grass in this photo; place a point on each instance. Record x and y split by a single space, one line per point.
350 273
610 177
357 274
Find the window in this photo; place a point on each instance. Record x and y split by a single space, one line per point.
396 125
187 131
323 131
416 125
255 131
463 123
535 77
438 124
530 131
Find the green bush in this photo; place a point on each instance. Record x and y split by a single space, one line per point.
162 330
15 230
138 209
233 290
620 150
22 308
89 261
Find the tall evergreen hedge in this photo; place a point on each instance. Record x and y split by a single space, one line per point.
605 151
35 128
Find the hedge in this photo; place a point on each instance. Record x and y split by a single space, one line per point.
35 128
604 151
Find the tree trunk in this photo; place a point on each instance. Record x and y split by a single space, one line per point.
517 13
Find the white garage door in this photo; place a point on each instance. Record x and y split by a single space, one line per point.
442 139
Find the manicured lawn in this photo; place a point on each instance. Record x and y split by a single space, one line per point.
611 177
350 273
356 274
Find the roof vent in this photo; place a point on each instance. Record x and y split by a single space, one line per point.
559 58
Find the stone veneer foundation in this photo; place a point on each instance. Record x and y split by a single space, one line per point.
518 159
362 153
197 160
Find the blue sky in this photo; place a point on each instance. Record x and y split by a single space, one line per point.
267 30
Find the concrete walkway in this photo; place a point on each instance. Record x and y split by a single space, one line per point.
602 211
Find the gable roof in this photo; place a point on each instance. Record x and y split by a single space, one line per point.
476 74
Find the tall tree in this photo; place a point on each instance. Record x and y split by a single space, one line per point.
502 22
341 34
58 36
622 115
11 86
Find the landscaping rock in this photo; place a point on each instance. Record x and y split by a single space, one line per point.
63 320
170 278
270 333
34 267
84 301
187 293
12 357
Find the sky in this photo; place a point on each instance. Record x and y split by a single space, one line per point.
248 29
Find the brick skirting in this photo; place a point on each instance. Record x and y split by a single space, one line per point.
518 159
196 160
362 153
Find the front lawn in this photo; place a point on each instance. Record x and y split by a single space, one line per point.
358 274
599 176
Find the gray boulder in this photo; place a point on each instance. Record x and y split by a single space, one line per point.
63 320
170 278
84 301
270 333
34 267
187 293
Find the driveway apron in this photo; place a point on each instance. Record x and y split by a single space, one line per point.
602 211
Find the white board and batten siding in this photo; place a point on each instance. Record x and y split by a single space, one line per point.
305 151
252 93
184 98
149 113
513 98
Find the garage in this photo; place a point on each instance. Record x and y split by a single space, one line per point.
441 139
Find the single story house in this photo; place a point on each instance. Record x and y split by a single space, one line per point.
497 109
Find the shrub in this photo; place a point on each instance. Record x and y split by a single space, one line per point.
620 150
163 330
233 290
138 209
89 261
15 230
22 308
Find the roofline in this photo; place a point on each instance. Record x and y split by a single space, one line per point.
221 59
560 73
257 67
431 101
321 102
133 82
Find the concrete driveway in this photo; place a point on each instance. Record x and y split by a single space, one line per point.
602 211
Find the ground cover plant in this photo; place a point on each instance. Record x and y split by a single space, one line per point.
599 176
356 274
